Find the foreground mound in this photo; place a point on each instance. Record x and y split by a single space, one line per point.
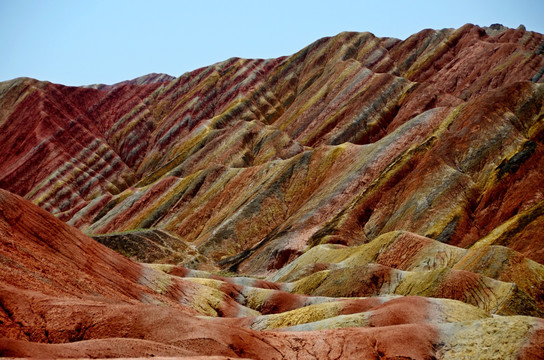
65 295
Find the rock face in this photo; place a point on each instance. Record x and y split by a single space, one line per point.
364 196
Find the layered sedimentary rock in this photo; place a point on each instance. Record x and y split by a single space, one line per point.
370 187
65 295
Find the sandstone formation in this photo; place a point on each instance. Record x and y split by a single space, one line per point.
365 197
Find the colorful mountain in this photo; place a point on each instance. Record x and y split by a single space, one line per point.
365 197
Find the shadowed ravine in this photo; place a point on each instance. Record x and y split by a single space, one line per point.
363 198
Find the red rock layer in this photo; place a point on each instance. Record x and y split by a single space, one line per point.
85 294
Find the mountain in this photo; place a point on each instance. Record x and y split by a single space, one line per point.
365 196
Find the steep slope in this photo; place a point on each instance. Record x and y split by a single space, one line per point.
426 108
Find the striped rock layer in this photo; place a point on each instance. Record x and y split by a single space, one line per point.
370 188
64 295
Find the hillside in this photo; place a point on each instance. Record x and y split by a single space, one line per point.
365 196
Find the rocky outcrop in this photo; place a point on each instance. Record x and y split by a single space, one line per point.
154 246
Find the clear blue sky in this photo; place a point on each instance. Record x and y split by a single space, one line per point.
76 42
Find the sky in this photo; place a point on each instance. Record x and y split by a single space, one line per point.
81 42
